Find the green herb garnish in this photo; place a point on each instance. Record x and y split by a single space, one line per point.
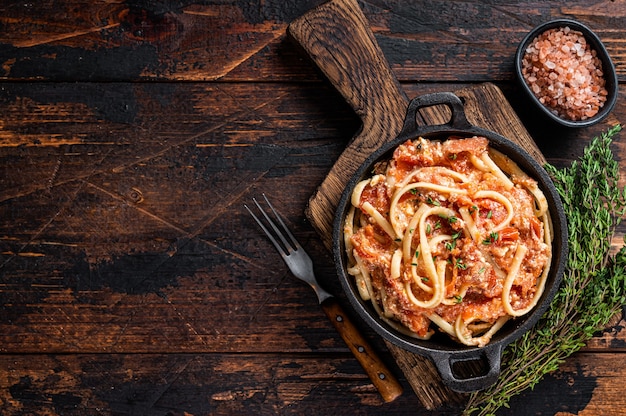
460 265
492 238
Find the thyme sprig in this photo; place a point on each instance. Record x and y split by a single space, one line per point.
593 289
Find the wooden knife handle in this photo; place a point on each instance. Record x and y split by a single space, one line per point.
381 376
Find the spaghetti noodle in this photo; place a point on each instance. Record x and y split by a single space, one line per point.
450 236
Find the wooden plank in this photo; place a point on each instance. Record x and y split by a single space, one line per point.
243 41
128 116
215 384
105 41
84 206
117 230
286 384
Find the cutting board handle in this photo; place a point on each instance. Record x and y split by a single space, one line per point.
337 36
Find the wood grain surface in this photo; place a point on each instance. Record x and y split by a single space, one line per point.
132 281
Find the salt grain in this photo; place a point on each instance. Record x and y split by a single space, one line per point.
565 74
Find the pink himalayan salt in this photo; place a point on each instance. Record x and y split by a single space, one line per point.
565 74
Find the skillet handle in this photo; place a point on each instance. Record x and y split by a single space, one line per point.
445 362
457 121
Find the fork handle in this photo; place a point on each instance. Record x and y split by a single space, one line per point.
382 378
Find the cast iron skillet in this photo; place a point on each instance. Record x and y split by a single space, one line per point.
443 351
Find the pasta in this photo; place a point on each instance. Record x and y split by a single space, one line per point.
449 236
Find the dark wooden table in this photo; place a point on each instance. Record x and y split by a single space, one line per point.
132 282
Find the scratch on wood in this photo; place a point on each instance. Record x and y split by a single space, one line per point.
49 39
142 210
122 331
41 186
230 395
598 9
54 216
201 145
234 64
188 324
58 243
33 238
205 13
267 298
335 375
184 233
31 254
177 372
55 172
234 116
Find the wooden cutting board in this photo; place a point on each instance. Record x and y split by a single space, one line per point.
337 37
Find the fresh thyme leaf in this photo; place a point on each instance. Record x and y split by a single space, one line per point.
593 289
460 265
493 236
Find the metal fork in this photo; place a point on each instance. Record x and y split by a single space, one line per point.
301 266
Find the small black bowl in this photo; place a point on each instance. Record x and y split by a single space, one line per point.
608 69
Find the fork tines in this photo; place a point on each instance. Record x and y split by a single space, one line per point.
287 246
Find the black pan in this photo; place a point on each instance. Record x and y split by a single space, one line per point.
443 351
